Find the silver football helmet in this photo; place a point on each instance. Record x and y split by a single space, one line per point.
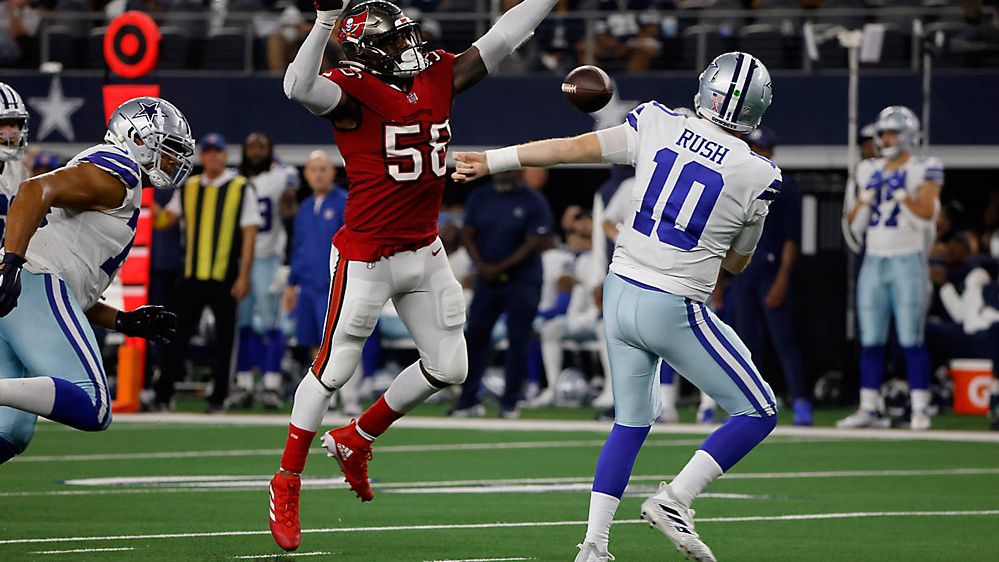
902 120
12 111
734 92
156 134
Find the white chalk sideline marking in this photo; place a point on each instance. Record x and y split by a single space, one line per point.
83 550
216 483
471 526
602 427
281 555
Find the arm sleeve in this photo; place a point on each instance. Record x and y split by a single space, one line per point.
619 145
745 242
302 81
249 212
511 30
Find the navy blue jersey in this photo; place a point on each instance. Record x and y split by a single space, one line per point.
502 223
315 225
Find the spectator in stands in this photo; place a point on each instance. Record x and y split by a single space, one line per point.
220 213
19 23
318 219
507 227
283 43
624 40
761 295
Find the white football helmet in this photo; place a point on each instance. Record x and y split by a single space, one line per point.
156 134
902 120
13 110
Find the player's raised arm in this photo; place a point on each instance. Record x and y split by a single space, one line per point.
302 81
615 145
511 30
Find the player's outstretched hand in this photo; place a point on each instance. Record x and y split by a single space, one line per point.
328 5
150 322
470 166
10 282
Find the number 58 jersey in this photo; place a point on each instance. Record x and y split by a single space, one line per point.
395 159
696 188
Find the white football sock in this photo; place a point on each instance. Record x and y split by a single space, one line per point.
409 389
35 394
350 391
701 470
920 399
244 380
870 400
272 381
312 399
602 509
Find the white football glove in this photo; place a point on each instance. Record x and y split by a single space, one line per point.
328 11
900 195
867 196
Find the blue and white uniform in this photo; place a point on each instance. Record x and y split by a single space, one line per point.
70 263
698 193
894 277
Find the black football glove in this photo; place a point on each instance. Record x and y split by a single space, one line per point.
329 5
150 322
10 282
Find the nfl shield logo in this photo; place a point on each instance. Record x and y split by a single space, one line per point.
412 97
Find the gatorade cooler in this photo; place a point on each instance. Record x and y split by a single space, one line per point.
972 383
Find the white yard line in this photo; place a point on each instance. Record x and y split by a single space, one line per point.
282 555
603 427
217 483
83 550
388 449
482 560
471 526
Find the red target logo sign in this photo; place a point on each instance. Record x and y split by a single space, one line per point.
132 44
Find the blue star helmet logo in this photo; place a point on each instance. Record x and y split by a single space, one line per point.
150 111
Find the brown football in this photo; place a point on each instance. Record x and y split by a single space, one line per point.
588 88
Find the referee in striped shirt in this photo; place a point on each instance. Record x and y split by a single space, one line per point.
220 215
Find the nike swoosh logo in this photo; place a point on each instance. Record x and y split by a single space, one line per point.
437 252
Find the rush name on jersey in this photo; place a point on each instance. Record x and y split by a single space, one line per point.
696 188
892 231
86 248
395 159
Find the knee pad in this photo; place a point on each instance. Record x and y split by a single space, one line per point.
451 364
342 364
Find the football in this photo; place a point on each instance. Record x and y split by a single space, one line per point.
588 88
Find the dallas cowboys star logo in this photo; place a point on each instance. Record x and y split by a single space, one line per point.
56 111
149 110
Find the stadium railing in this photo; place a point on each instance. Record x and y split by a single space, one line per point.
688 39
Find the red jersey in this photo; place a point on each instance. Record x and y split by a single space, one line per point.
395 159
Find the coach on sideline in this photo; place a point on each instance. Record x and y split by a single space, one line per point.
507 226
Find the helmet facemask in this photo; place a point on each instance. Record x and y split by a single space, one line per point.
13 140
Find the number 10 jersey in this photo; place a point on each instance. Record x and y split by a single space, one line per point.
395 159
696 188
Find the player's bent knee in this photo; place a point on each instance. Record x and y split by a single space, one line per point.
341 365
451 366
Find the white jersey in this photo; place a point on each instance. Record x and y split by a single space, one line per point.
270 186
555 263
696 188
86 248
892 231
13 174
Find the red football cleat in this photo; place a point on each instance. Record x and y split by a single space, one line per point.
352 452
285 528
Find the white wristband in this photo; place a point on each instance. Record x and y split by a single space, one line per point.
503 160
327 18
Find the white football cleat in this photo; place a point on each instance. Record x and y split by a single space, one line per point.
590 552
544 399
919 421
863 418
676 521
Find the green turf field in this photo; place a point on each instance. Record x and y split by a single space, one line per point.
197 491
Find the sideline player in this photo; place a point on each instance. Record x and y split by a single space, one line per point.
13 144
390 105
897 203
698 203
261 340
50 275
